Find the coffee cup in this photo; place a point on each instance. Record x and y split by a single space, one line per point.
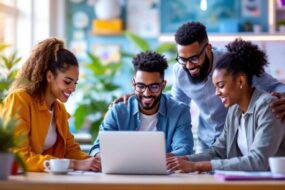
277 165
56 165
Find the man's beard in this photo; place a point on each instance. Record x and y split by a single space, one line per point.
148 107
203 72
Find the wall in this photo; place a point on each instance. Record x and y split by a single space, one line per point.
221 16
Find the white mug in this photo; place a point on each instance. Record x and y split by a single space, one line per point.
56 165
277 165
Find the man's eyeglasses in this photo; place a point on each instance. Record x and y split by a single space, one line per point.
153 87
193 59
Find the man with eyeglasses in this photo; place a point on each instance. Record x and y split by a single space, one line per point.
150 109
192 82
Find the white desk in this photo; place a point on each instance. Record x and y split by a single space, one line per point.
98 181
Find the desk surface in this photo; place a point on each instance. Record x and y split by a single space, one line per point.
100 181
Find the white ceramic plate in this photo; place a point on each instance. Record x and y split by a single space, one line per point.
58 172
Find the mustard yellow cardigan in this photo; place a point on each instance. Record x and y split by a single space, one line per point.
34 120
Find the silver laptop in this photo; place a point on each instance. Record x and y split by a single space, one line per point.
132 152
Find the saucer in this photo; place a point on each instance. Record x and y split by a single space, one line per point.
58 172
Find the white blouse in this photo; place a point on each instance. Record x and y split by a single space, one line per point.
242 139
51 135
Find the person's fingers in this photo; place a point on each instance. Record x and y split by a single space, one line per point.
279 108
117 100
278 102
172 167
95 166
281 115
96 162
170 159
95 169
126 99
277 94
110 105
170 162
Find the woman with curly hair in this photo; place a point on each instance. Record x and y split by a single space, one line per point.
44 83
251 133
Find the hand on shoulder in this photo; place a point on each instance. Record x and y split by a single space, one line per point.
124 99
278 106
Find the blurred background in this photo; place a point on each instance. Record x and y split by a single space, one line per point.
106 34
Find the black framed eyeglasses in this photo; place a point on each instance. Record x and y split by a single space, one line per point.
193 59
153 87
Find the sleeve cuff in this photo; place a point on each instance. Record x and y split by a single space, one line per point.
217 165
94 152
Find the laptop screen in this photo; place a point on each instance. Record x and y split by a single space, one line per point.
133 152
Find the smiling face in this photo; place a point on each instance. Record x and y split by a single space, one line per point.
61 85
228 88
148 88
196 60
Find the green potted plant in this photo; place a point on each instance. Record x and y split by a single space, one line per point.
8 140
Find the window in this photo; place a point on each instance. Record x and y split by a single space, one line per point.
23 23
8 21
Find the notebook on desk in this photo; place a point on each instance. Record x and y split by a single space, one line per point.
132 152
242 175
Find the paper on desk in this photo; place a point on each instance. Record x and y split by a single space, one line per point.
242 175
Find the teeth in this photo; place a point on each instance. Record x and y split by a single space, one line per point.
194 70
147 99
66 94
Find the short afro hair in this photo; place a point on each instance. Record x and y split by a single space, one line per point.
150 61
243 57
191 32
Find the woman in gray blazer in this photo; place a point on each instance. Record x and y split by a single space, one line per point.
251 133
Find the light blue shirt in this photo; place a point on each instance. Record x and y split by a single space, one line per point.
173 119
212 111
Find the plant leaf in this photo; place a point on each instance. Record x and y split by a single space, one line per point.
21 163
167 47
94 128
127 54
3 46
141 44
79 115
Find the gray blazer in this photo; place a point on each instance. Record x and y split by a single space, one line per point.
265 136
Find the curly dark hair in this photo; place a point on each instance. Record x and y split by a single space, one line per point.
48 55
243 57
150 61
191 32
